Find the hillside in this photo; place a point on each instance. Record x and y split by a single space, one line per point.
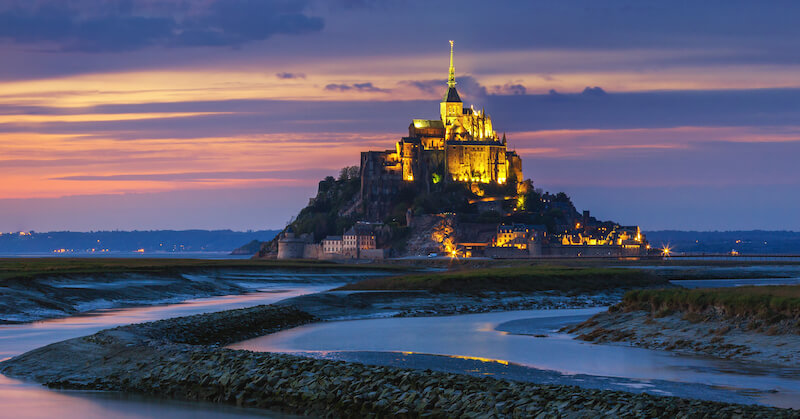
474 208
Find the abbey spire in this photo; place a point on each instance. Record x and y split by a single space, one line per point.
451 107
451 79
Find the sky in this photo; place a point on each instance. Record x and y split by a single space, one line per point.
216 114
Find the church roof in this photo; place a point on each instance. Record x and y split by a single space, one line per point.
428 123
452 95
475 142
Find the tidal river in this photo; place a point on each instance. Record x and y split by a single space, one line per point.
521 345
21 400
525 345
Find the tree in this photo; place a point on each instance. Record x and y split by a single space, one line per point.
348 173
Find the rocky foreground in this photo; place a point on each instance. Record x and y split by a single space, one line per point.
181 358
338 305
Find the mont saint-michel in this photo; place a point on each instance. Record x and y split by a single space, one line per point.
453 186
230 209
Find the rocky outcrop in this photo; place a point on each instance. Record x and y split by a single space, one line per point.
431 234
172 358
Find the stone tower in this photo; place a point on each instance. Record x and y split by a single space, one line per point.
451 107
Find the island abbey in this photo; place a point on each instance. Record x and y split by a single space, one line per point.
460 146
450 187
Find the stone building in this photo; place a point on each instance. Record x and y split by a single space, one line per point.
460 146
517 240
356 239
332 245
291 246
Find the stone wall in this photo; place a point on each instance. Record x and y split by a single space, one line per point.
505 252
377 254
312 251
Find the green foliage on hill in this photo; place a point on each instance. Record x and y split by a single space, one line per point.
324 214
518 278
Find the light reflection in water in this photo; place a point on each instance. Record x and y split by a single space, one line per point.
474 336
20 338
22 400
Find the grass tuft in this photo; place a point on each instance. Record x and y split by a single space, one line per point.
768 304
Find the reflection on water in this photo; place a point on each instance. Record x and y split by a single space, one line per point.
723 283
29 400
475 336
21 400
17 339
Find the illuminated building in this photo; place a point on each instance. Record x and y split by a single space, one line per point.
358 237
460 146
515 235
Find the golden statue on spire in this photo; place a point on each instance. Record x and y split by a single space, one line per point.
451 80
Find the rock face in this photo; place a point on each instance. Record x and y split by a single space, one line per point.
179 358
431 234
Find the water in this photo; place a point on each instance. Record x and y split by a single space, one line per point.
476 337
723 283
20 399
466 343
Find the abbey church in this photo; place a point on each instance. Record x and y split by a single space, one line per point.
460 146
450 187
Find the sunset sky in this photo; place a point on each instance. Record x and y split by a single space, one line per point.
148 114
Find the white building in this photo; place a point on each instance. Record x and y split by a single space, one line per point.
332 244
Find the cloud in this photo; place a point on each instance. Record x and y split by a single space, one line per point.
593 91
509 89
467 87
360 87
592 109
289 76
512 113
99 26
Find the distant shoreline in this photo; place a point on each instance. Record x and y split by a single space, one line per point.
121 254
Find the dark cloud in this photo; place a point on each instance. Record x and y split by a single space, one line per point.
665 109
290 76
361 87
98 26
593 91
509 89
338 87
467 86
657 109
